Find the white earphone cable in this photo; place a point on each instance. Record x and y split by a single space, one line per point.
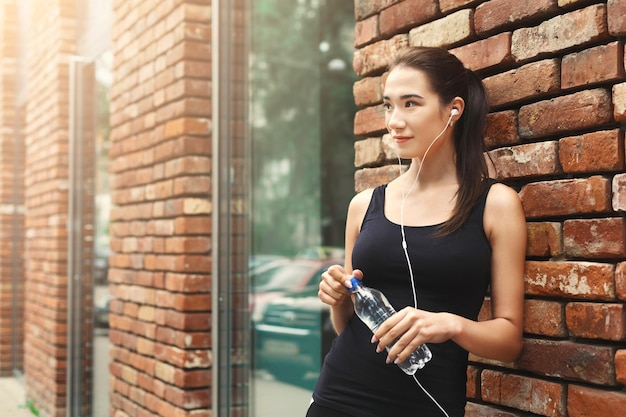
404 197
405 246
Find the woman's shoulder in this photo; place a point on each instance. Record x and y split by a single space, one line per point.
361 201
501 196
503 207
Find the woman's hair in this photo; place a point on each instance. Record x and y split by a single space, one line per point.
449 78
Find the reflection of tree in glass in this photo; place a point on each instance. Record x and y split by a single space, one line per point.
301 118
102 145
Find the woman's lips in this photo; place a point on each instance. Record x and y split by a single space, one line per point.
401 139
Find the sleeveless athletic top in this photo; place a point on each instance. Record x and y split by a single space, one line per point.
451 274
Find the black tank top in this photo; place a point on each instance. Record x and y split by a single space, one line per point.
451 274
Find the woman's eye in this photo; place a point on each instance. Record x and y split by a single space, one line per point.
386 106
410 104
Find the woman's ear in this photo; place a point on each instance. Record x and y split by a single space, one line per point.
457 105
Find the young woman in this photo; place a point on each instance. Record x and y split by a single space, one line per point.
434 241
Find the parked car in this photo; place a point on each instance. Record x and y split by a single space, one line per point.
101 311
293 336
258 261
323 252
275 278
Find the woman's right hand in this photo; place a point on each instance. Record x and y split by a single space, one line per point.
332 289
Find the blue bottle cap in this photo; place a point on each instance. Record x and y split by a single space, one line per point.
354 283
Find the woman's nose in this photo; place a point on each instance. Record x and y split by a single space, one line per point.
394 121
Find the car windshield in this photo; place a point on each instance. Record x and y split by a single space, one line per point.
280 277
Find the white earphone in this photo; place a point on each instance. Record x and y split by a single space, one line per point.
454 112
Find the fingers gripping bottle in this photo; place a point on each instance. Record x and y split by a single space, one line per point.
373 309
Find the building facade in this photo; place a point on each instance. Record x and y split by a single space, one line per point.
165 164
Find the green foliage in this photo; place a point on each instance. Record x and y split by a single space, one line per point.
302 113
30 405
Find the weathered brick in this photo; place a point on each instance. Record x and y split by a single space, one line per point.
191 185
596 320
544 239
501 14
183 263
405 15
595 65
593 152
183 321
188 164
620 281
373 177
390 151
485 53
579 280
583 110
594 238
577 28
187 244
592 402
188 399
368 152
449 30
524 393
188 302
187 282
366 8
533 80
544 318
616 12
192 225
545 199
366 31
369 121
472 386
619 102
619 192
183 340
481 410
501 129
368 91
374 58
568 360
620 366
448 5
528 160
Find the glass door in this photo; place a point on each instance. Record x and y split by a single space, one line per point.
80 237
17 250
102 200
302 179
88 292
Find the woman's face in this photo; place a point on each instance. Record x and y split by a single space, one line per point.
413 112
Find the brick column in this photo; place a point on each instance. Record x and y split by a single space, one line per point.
161 220
50 43
11 198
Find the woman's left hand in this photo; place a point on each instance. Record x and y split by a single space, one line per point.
413 327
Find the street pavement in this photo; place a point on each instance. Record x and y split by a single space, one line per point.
13 399
272 398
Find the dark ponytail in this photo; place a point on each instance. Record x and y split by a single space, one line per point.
449 79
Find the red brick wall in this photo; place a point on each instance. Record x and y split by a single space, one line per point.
51 40
555 75
161 221
11 196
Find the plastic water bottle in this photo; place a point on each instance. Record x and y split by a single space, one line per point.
373 308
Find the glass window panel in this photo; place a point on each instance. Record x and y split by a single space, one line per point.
302 177
101 296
